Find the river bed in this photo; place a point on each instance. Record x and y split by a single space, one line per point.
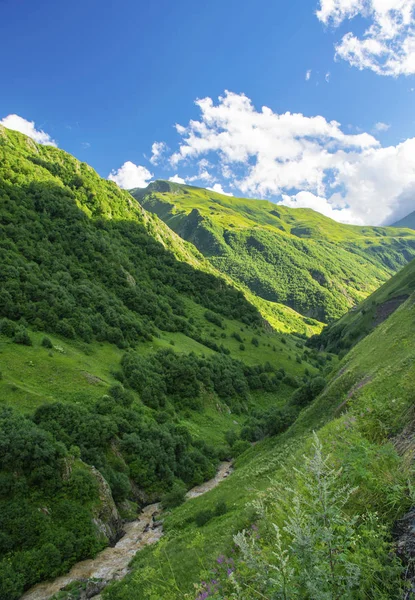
113 563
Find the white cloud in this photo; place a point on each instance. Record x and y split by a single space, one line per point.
28 128
387 45
327 77
308 75
177 179
307 160
219 190
321 205
380 127
130 176
157 151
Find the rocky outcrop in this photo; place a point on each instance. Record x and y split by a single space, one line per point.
106 516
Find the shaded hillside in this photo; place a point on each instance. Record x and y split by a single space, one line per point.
296 257
360 321
408 221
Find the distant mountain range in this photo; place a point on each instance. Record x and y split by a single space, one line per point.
408 221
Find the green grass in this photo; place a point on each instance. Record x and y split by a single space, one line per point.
357 323
33 375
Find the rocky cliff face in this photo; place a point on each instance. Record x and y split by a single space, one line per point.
106 516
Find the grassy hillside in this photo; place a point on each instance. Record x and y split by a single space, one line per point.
408 221
360 419
360 321
121 349
296 257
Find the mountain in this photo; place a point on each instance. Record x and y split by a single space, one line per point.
131 365
127 361
370 313
295 257
408 221
364 422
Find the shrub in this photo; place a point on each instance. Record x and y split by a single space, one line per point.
221 508
231 437
7 327
175 496
255 342
309 546
239 447
203 517
46 343
214 318
22 337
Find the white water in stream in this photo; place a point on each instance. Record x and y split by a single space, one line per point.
112 563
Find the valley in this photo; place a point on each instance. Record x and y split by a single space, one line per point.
148 340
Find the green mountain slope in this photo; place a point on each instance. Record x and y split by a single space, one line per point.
295 257
360 321
365 420
125 359
408 221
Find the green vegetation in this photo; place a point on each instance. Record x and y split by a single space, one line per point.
130 367
356 324
360 419
131 392
293 257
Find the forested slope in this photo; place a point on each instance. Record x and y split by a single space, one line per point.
295 257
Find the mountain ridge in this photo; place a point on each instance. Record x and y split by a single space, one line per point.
408 221
296 257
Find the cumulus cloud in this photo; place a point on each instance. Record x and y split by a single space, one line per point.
177 179
327 77
28 128
321 205
130 176
157 151
387 45
219 190
308 75
308 161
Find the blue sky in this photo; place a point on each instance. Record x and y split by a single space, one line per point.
108 79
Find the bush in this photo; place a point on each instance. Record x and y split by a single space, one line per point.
255 342
46 343
221 508
214 318
239 447
22 337
83 486
231 437
7 327
175 496
203 517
